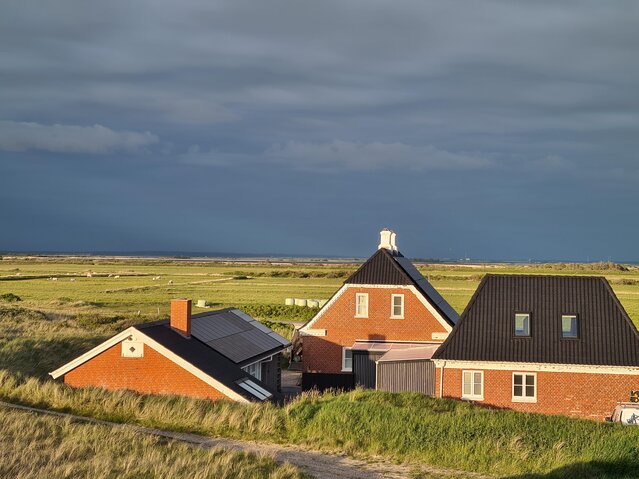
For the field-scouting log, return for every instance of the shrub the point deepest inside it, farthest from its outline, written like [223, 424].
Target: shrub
[93, 320]
[278, 311]
[10, 298]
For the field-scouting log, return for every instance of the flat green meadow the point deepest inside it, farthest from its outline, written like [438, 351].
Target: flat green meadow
[146, 286]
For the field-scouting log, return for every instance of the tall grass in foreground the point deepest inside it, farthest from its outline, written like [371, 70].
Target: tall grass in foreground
[33, 446]
[396, 426]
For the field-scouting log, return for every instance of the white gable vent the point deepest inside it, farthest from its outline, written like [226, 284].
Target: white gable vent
[132, 349]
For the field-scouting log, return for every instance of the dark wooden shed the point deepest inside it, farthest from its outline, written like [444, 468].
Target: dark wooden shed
[406, 370]
[364, 367]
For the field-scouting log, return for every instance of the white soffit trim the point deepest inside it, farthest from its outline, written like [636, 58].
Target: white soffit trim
[62, 370]
[431, 308]
[537, 367]
[305, 329]
[314, 332]
[167, 353]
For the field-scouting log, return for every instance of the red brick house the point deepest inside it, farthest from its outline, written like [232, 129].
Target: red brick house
[547, 344]
[222, 354]
[385, 305]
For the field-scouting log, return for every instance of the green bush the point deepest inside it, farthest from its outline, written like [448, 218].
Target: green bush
[10, 298]
[278, 311]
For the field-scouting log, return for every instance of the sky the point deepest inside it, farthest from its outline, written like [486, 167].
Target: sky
[497, 129]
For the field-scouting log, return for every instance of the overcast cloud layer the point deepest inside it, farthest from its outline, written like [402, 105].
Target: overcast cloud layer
[500, 129]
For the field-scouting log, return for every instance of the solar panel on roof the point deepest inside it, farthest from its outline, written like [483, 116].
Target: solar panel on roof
[235, 335]
[428, 288]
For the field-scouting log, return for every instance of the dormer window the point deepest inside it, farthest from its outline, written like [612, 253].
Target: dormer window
[522, 325]
[569, 325]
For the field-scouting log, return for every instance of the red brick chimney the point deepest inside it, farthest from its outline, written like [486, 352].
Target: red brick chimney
[181, 316]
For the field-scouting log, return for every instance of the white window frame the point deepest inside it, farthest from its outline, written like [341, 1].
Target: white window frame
[393, 315]
[344, 368]
[576, 336]
[528, 315]
[364, 296]
[524, 398]
[254, 370]
[472, 396]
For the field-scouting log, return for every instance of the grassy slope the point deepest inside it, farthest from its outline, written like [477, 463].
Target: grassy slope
[33, 446]
[397, 426]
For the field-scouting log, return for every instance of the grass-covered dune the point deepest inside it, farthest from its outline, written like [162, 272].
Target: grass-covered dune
[403, 427]
[34, 446]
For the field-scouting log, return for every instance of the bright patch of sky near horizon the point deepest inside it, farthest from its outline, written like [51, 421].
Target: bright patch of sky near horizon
[504, 130]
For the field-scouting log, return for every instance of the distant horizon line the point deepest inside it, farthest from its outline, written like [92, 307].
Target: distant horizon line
[281, 256]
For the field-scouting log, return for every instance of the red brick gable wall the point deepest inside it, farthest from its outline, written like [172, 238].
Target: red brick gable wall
[153, 373]
[324, 353]
[585, 395]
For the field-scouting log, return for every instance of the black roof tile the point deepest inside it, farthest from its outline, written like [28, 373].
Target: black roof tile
[201, 356]
[485, 331]
[389, 268]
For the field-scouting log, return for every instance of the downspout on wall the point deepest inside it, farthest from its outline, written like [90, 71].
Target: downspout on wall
[441, 380]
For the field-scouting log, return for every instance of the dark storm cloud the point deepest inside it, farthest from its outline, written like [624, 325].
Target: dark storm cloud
[422, 111]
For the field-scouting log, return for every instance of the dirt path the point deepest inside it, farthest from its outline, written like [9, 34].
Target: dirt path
[316, 464]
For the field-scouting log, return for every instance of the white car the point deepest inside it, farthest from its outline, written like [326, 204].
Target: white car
[626, 413]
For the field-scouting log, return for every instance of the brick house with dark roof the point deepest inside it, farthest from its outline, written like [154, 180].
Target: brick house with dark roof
[222, 354]
[548, 344]
[385, 305]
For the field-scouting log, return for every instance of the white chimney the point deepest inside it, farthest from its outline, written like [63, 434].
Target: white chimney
[387, 240]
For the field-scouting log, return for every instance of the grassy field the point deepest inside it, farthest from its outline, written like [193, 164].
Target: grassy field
[33, 446]
[401, 427]
[44, 323]
[251, 286]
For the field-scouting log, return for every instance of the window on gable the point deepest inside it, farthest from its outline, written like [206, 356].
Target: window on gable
[397, 306]
[524, 387]
[569, 325]
[361, 305]
[473, 385]
[347, 359]
[522, 324]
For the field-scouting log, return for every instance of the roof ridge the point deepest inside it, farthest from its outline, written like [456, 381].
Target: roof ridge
[545, 275]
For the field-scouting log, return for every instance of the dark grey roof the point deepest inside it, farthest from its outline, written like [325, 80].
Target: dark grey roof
[236, 335]
[205, 359]
[485, 332]
[389, 268]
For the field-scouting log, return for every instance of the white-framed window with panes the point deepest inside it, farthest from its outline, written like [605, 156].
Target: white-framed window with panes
[524, 387]
[254, 370]
[522, 325]
[397, 306]
[473, 385]
[569, 326]
[361, 305]
[347, 359]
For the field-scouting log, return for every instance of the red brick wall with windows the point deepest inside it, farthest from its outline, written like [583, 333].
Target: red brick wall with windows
[324, 353]
[153, 373]
[585, 395]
